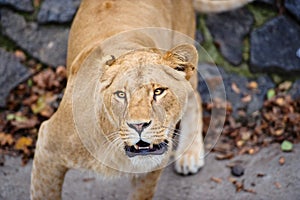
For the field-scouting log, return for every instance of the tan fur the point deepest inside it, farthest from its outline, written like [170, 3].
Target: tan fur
[90, 129]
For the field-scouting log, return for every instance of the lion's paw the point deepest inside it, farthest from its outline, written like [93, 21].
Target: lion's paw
[189, 163]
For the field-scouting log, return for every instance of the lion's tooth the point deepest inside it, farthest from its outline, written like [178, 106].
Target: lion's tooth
[136, 147]
[151, 146]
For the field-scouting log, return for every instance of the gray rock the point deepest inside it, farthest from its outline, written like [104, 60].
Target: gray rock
[295, 90]
[274, 47]
[210, 83]
[21, 5]
[298, 53]
[212, 86]
[294, 7]
[12, 73]
[57, 11]
[47, 44]
[258, 96]
[199, 36]
[272, 2]
[228, 30]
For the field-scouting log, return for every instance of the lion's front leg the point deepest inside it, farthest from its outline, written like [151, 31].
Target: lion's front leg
[190, 150]
[47, 173]
[144, 186]
[46, 178]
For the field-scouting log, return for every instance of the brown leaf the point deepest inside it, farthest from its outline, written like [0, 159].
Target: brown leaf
[247, 98]
[30, 100]
[278, 132]
[250, 190]
[46, 79]
[224, 156]
[24, 124]
[240, 143]
[281, 160]
[20, 55]
[22, 143]
[88, 179]
[260, 175]
[239, 186]
[216, 180]
[280, 101]
[61, 71]
[252, 85]
[251, 151]
[47, 111]
[286, 85]
[42, 105]
[277, 185]
[246, 134]
[6, 139]
[235, 88]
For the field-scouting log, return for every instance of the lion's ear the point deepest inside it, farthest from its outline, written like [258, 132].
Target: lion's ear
[183, 58]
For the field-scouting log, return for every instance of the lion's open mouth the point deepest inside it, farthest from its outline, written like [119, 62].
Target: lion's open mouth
[144, 148]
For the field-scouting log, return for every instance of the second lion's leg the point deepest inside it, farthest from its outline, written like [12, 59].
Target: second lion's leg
[190, 150]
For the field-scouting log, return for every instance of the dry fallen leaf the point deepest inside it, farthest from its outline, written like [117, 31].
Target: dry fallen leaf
[252, 85]
[22, 143]
[247, 98]
[226, 156]
[280, 101]
[260, 175]
[277, 185]
[23, 124]
[281, 160]
[286, 85]
[6, 139]
[216, 180]
[235, 88]
[20, 55]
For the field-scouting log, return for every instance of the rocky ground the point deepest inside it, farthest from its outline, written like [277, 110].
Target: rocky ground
[271, 174]
[257, 51]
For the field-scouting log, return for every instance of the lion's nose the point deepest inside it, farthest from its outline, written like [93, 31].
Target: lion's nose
[139, 127]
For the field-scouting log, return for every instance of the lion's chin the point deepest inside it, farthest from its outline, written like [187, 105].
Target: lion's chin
[142, 148]
[143, 164]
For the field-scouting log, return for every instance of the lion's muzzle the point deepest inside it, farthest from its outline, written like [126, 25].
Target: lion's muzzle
[144, 148]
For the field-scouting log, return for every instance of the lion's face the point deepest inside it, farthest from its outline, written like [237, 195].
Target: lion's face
[144, 94]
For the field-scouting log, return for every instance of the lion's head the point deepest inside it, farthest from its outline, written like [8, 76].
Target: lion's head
[141, 96]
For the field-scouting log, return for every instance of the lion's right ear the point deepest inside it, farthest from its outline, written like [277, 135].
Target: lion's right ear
[183, 58]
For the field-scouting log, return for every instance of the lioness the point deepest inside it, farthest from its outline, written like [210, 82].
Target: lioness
[125, 94]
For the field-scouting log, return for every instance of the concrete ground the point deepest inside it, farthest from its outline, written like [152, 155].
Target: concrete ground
[264, 176]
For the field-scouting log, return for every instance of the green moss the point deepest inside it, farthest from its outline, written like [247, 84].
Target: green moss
[33, 15]
[261, 14]
[6, 43]
[29, 17]
[246, 49]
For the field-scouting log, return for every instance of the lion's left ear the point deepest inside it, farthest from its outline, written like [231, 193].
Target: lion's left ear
[183, 58]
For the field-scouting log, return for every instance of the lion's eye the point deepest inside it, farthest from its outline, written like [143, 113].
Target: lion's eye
[120, 94]
[158, 91]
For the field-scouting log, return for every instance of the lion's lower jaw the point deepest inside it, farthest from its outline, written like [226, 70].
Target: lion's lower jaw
[143, 164]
